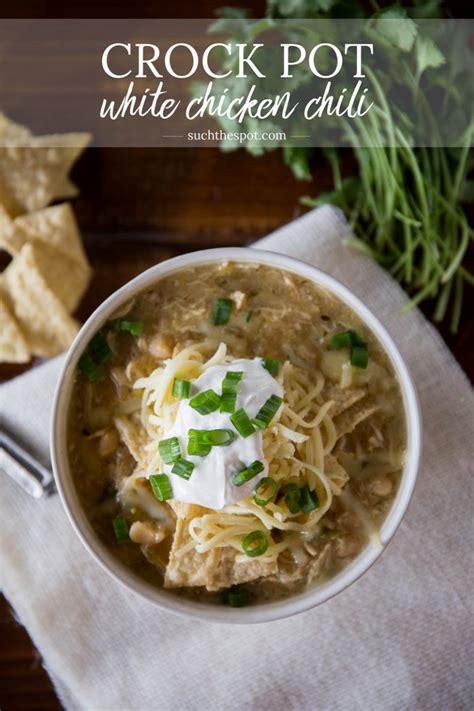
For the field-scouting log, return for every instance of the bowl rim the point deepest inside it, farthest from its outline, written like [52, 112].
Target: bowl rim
[169, 600]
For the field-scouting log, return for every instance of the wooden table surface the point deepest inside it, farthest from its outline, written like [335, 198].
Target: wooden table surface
[138, 207]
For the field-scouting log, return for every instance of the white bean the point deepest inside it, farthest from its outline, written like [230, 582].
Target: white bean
[146, 533]
[381, 487]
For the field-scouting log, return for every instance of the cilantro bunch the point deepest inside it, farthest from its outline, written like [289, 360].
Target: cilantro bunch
[405, 204]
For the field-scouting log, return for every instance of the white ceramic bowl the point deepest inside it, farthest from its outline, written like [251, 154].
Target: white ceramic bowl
[167, 599]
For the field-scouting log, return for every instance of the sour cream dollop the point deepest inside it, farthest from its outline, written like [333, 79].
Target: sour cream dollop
[211, 482]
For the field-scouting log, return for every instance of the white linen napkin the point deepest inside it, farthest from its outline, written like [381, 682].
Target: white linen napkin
[397, 639]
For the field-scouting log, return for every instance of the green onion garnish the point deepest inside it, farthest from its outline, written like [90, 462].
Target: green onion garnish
[351, 339]
[255, 544]
[98, 352]
[309, 499]
[235, 598]
[346, 339]
[161, 486]
[293, 498]
[248, 316]
[133, 327]
[121, 529]
[272, 365]
[267, 412]
[183, 468]
[169, 449]
[99, 348]
[90, 368]
[201, 441]
[197, 445]
[242, 423]
[219, 438]
[230, 386]
[266, 491]
[221, 311]
[244, 475]
[359, 356]
[205, 402]
[181, 388]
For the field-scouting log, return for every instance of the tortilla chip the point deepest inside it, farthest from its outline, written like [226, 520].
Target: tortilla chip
[342, 398]
[347, 421]
[216, 569]
[68, 189]
[318, 565]
[44, 321]
[291, 574]
[187, 511]
[65, 278]
[54, 234]
[134, 438]
[12, 132]
[55, 227]
[34, 169]
[10, 239]
[13, 347]
[336, 474]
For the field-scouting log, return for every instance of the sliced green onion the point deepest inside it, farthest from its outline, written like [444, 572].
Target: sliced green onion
[205, 402]
[201, 441]
[272, 365]
[183, 468]
[248, 316]
[90, 368]
[359, 356]
[351, 339]
[255, 544]
[266, 491]
[169, 449]
[181, 388]
[346, 339]
[233, 376]
[267, 412]
[133, 327]
[309, 499]
[161, 486]
[236, 598]
[293, 498]
[121, 529]
[99, 348]
[221, 311]
[242, 423]
[230, 386]
[244, 475]
[342, 340]
[197, 445]
[219, 438]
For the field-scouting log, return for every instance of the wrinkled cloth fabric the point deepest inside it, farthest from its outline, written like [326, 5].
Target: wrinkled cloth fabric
[397, 639]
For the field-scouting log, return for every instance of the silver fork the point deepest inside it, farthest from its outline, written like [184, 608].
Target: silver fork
[19, 464]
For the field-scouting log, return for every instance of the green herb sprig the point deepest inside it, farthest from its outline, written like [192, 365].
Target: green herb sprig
[406, 204]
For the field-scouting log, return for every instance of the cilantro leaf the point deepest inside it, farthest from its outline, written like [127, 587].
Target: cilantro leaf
[299, 9]
[427, 55]
[398, 29]
[297, 158]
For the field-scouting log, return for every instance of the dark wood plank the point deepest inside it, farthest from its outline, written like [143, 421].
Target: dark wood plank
[24, 684]
[200, 196]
